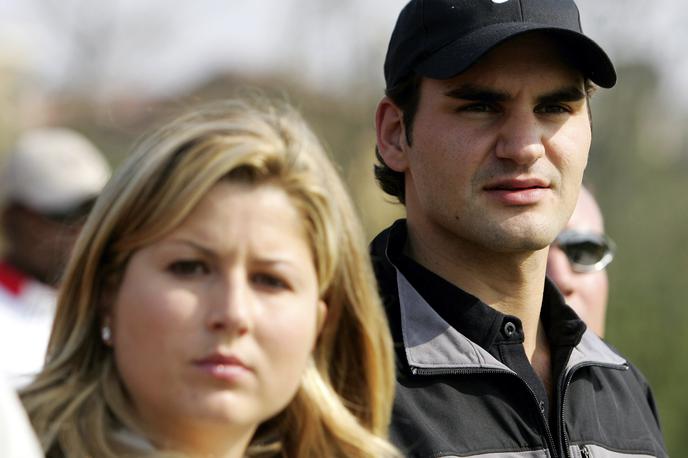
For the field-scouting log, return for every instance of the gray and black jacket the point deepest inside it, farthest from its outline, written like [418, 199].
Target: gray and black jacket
[465, 388]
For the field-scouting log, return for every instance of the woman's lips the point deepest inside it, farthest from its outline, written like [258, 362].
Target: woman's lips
[227, 368]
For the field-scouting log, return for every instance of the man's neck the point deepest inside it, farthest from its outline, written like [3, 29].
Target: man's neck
[511, 283]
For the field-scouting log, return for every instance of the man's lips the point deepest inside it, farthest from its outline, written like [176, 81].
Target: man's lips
[518, 191]
[517, 184]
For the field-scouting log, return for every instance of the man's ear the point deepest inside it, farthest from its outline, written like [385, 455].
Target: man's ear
[391, 135]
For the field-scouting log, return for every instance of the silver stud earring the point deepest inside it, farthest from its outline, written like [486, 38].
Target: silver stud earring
[106, 334]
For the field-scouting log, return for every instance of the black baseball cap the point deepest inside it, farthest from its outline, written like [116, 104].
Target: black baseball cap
[441, 38]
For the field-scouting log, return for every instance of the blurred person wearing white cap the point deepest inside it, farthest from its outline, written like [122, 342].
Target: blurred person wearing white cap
[50, 180]
[578, 259]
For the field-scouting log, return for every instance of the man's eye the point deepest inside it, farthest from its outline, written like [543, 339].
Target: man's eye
[553, 109]
[478, 108]
[269, 281]
[188, 268]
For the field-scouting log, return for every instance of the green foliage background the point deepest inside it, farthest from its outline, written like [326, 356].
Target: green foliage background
[639, 171]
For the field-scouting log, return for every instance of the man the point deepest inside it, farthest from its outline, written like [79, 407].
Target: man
[577, 260]
[51, 178]
[484, 136]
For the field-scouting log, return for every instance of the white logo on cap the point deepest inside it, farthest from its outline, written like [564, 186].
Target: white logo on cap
[499, 1]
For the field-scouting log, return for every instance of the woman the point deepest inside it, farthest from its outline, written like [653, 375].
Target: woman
[219, 302]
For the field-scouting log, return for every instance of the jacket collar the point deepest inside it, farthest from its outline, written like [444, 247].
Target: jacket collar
[431, 343]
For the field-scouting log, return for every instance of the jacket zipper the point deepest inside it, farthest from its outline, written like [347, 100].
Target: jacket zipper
[548, 434]
[567, 381]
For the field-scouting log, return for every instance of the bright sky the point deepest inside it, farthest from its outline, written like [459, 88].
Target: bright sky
[326, 43]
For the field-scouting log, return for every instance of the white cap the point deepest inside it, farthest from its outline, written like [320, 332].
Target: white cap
[53, 170]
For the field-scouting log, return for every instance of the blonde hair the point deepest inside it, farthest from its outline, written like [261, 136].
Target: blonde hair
[343, 405]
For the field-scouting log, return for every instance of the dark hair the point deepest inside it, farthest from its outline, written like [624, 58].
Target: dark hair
[405, 96]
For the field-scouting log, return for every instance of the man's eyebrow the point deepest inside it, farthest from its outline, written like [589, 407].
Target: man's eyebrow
[566, 94]
[483, 94]
[477, 93]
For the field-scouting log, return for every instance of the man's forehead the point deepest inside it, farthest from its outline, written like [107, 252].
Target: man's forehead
[518, 64]
[530, 48]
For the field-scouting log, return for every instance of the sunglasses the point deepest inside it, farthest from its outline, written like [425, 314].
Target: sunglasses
[586, 251]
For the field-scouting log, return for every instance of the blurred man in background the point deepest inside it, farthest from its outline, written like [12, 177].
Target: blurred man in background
[51, 178]
[577, 261]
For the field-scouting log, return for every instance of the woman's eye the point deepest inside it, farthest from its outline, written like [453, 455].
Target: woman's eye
[188, 268]
[269, 281]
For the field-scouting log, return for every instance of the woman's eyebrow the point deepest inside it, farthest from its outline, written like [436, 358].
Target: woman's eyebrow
[189, 243]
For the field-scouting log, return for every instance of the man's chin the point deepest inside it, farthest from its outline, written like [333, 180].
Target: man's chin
[529, 236]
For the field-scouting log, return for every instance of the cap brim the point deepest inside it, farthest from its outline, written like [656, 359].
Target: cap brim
[459, 55]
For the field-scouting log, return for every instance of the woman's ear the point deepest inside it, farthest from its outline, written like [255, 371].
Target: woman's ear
[391, 135]
[107, 309]
[106, 331]
[321, 316]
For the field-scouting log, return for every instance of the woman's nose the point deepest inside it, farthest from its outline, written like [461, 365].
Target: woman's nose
[230, 306]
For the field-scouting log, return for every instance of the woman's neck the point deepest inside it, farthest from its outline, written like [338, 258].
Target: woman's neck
[218, 441]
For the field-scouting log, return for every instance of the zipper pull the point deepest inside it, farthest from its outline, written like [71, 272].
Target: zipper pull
[585, 453]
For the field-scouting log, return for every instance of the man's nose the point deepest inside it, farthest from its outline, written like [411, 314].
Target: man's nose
[521, 138]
